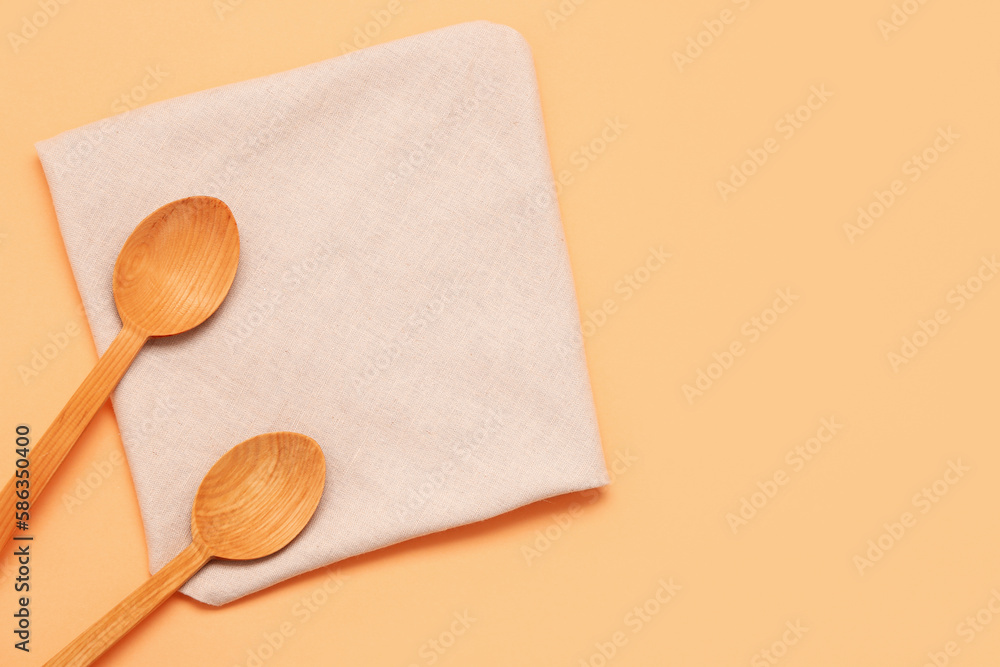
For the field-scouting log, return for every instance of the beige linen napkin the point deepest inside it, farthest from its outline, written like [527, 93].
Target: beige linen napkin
[403, 296]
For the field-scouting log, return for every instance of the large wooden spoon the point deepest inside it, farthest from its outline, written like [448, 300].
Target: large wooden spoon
[253, 502]
[173, 272]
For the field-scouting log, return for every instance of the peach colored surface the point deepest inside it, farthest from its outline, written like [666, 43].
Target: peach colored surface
[799, 405]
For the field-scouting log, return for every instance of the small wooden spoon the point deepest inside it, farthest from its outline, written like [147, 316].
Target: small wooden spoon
[252, 503]
[172, 273]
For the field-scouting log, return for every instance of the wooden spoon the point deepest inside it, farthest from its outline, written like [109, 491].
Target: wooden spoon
[253, 502]
[172, 273]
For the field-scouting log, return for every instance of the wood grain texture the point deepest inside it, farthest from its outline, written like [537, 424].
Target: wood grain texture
[177, 266]
[128, 613]
[259, 496]
[172, 273]
[252, 503]
[50, 450]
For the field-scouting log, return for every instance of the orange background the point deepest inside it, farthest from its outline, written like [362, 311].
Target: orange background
[682, 465]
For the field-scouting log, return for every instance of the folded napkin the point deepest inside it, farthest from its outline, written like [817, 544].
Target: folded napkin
[403, 296]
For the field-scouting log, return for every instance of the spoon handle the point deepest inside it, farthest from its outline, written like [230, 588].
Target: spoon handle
[63, 433]
[103, 634]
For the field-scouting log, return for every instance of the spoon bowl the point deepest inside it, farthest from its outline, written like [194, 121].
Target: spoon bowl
[177, 266]
[252, 502]
[171, 275]
[258, 496]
